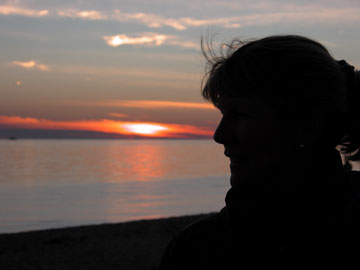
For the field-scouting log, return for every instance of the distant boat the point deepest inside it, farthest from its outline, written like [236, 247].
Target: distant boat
[12, 138]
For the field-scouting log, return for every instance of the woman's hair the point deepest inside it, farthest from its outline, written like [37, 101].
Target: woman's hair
[292, 70]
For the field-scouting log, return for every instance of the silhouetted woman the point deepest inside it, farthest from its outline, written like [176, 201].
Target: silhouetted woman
[287, 106]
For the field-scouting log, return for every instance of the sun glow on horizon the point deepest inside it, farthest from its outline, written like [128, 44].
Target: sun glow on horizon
[145, 129]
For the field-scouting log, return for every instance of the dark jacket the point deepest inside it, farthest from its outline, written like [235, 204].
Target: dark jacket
[270, 225]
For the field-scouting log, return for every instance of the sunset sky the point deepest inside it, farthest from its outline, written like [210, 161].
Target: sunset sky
[88, 68]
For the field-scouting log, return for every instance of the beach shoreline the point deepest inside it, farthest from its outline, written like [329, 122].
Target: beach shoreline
[128, 245]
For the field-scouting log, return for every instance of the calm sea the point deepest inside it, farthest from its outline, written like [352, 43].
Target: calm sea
[60, 183]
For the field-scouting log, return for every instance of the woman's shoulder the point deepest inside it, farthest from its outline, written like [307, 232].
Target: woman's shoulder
[353, 189]
[197, 244]
[203, 230]
[354, 196]
[207, 225]
[354, 177]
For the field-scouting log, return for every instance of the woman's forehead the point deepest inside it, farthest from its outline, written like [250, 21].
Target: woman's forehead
[259, 105]
[247, 104]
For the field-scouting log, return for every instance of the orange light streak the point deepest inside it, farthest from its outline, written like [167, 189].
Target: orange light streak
[163, 104]
[152, 104]
[147, 129]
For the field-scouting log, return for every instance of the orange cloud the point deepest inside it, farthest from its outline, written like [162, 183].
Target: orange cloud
[147, 129]
[151, 20]
[17, 10]
[145, 39]
[150, 39]
[84, 14]
[261, 14]
[145, 104]
[267, 15]
[31, 64]
[156, 21]
[156, 104]
[120, 115]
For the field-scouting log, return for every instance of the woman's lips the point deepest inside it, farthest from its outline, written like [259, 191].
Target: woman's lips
[234, 157]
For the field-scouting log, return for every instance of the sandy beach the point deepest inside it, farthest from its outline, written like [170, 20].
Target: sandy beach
[130, 245]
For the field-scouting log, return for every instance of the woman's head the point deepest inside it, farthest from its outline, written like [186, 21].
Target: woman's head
[297, 76]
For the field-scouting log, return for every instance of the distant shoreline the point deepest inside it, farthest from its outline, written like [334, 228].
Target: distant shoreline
[105, 138]
[128, 245]
[81, 134]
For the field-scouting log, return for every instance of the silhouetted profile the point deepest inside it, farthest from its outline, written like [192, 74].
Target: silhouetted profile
[288, 109]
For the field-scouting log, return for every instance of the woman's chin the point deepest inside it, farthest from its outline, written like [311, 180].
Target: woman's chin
[243, 177]
[248, 175]
[240, 173]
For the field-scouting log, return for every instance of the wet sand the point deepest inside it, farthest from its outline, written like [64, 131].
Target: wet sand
[129, 245]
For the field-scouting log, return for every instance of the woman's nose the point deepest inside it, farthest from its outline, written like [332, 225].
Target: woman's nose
[224, 133]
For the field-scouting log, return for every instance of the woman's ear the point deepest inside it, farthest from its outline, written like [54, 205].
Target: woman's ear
[310, 127]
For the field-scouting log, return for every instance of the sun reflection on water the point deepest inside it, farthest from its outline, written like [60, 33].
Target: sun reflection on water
[145, 162]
